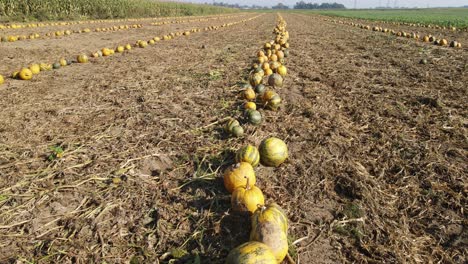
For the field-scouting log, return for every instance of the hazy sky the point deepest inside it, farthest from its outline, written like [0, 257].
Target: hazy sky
[348, 3]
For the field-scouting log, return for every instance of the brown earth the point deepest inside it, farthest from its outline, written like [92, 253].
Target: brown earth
[378, 147]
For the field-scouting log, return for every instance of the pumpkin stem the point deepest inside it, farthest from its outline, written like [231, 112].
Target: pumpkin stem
[247, 185]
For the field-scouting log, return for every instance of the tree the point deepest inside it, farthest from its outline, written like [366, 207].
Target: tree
[280, 6]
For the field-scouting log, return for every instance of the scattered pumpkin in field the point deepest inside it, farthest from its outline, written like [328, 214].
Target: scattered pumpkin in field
[142, 44]
[255, 79]
[260, 89]
[443, 42]
[120, 49]
[268, 227]
[268, 72]
[237, 131]
[25, 74]
[56, 65]
[248, 154]
[128, 47]
[247, 198]
[63, 62]
[273, 152]
[454, 44]
[45, 66]
[106, 52]
[151, 42]
[251, 253]
[275, 80]
[249, 94]
[236, 176]
[2, 80]
[82, 58]
[230, 124]
[35, 68]
[253, 116]
[250, 105]
[282, 70]
[425, 39]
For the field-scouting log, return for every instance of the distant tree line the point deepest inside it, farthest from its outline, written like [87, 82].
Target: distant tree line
[304, 5]
[239, 6]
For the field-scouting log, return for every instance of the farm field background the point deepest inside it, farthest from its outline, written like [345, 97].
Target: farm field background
[377, 142]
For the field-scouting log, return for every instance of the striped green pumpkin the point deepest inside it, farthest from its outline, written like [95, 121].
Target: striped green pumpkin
[248, 154]
[273, 152]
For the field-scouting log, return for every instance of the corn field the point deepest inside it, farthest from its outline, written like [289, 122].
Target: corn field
[98, 9]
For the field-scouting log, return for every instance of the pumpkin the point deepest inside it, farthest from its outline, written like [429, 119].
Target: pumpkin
[237, 131]
[282, 70]
[253, 116]
[250, 105]
[251, 253]
[274, 102]
[128, 47]
[280, 54]
[273, 152]
[255, 79]
[271, 235]
[120, 49]
[56, 65]
[25, 74]
[248, 154]
[271, 213]
[35, 68]
[247, 198]
[2, 80]
[273, 57]
[45, 66]
[142, 44]
[82, 58]
[230, 124]
[268, 72]
[63, 62]
[453, 43]
[151, 42]
[249, 94]
[274, 65]
[260, 89]
[265, 66]
[443, 42]
[260, 71]
[236, 176]
[275, 80]
[260, 53]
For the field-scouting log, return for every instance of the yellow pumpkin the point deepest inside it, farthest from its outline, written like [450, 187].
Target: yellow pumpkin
[142, 44]
[128, 47]
[268, 72]
[35, 68]
[250, 105]
[249, 94]
[63, 62]
[247, 198]
[251, 253]
[237, 175]
[2, 80]
[273, 152]
[25, 74]
[273, 236]
[106, 52]
[282, 70]
[120, 49]
[82, 58]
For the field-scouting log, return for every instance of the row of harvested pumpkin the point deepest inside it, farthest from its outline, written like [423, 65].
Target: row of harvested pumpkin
[68, 32]
[81, 22]
[412, 35]
[451, 28]
[60, 33]
[27, 73]
[269, 223]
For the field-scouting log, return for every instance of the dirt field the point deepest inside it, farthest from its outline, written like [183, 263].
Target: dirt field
[378, 147]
